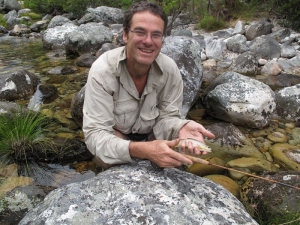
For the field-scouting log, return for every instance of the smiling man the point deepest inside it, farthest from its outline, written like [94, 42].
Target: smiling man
[133, 99]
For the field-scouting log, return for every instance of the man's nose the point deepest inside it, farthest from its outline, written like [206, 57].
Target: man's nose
[148, 38]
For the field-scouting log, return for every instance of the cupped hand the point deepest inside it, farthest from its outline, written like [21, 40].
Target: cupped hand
[195, 131]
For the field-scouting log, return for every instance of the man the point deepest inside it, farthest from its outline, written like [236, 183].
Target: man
[134, 94]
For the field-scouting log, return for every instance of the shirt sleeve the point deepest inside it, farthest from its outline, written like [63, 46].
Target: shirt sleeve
[169, 121]
[98, 121]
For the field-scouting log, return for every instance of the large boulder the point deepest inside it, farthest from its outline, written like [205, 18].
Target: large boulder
[185, 52]
[107, 15]
[215, 48]
[240, 100]
[288, 103]
[230, 142]
[139, 194]
[58, 21]
[246, 64]
[265, 47]
[262, 27]
[9, 5]
[18, 85]
[88, 38]
[237, 43]
[55, 37]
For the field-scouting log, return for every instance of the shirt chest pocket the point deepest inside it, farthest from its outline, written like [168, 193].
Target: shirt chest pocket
[125, 113]
[149, 113]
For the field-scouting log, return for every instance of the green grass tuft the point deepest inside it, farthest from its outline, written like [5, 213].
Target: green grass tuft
[20, 131]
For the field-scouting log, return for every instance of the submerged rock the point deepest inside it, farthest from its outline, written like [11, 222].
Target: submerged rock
[138, 194]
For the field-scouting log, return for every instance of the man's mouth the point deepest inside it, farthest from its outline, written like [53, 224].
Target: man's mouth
[146, 50]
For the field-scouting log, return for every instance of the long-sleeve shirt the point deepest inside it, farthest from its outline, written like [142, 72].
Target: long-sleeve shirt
[112, 102]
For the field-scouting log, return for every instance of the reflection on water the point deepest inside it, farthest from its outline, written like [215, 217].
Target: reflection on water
[54, 174]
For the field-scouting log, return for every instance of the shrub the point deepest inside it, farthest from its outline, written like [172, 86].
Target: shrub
[210, 23]
[3, 21]
[290, 11]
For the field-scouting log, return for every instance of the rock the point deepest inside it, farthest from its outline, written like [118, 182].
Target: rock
[77, 106]
[259, 28]
[185, 52]
[89, 17]
[11, 18]
[288, 51]
[215, 49]
[239, 28]
[10, 5]
[246, 64]
[288, 103]
[18, 85]
[58, 21]
[223, 33]
[227, 183]
[265, 47]
[19, 201]
[19, 30]
[186, 33]
[204, 170]
[12, 182]
[282, 80]
[272, 201]
[105, 47]
[48, 93]
[39, 25]
[277, 137]
[271, 68]
[140, 195]
[6, 107]
[240, 100]
[237, 44]
[55, 38]
[280, 34]
[257, 165]
[230, 142]
[108, 15]
[9, 170]
[85, 60]
[87, 38]
[287, 156]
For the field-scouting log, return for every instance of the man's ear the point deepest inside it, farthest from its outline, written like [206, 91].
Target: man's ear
[125, 36]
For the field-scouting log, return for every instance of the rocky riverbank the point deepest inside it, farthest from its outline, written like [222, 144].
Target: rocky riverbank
[249, 96]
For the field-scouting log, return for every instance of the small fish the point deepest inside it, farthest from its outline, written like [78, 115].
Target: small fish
[202, 147]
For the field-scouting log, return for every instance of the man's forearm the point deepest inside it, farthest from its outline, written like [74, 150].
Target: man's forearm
[138, 150]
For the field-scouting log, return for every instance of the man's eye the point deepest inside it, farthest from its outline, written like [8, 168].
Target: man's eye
[140, 33]
[156, 35]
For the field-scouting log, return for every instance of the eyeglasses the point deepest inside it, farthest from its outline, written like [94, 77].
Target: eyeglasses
[156, 36]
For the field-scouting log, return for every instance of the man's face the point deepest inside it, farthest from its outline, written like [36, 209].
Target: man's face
[143, 49]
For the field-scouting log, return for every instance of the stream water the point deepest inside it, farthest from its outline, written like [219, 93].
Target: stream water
[18, 54]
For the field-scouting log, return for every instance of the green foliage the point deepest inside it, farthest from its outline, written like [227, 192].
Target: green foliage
[77, 7]
[210, 23]
[290, 11]
[3, 21]
[19, 131]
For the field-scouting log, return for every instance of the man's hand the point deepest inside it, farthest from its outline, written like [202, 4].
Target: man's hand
[160, 152]
[195, 131]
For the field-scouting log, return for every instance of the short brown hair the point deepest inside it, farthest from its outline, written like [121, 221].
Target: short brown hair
[144, 6]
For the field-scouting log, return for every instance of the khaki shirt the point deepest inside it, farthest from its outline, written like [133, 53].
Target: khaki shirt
[112, 102]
